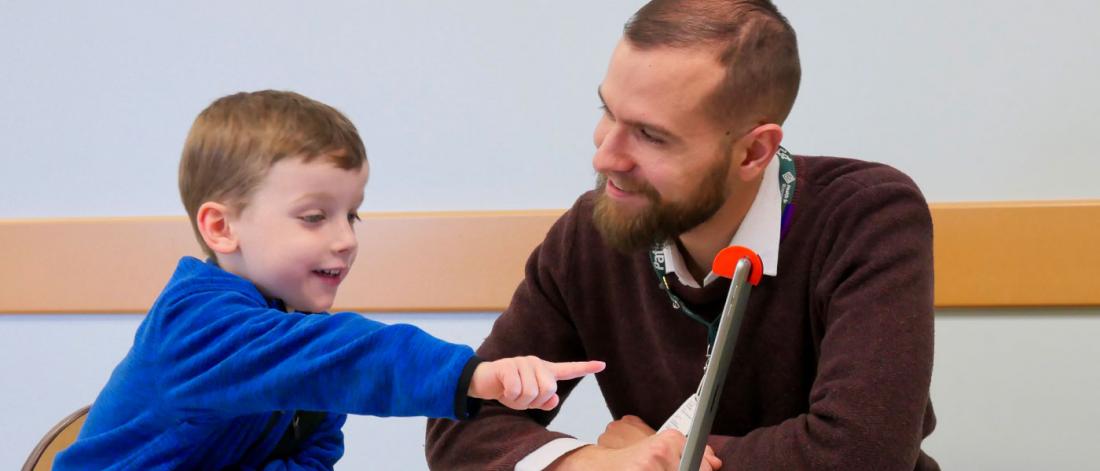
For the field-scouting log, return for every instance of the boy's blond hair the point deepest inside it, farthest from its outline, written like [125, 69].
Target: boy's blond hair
[238, 138]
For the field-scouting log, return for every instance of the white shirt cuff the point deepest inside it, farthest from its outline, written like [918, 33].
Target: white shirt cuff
[548, 453]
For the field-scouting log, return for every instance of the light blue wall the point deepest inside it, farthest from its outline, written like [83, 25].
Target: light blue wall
[490, 105]
[1016, 390]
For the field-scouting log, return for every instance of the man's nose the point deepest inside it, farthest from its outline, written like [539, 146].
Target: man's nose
[611, 150]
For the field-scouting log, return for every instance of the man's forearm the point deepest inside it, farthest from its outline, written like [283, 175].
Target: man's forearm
[497, 439]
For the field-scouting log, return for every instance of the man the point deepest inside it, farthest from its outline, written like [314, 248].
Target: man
[834, 358]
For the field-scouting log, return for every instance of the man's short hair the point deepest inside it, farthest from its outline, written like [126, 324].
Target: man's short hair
[236, 140]
[752, 40]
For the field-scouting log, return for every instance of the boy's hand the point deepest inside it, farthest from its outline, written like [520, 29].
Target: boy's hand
[526, 382]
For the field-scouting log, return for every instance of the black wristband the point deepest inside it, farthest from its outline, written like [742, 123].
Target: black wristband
[467, 407]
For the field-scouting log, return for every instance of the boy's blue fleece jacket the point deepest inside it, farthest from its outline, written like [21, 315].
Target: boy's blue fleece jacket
[214, 360]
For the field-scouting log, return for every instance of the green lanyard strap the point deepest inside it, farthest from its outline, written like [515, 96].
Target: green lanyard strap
[657, 259]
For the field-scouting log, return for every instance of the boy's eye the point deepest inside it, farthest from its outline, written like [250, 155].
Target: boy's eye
[312, 218]
[353, 218]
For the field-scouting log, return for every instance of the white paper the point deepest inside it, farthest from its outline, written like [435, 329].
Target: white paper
[681, 419]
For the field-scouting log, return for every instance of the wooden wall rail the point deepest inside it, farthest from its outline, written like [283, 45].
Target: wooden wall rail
[987, 255]
[1025, 254]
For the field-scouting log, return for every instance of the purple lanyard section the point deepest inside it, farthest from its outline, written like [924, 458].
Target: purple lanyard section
[785, 223]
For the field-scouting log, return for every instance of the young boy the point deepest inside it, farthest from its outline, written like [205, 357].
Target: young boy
[229, 370]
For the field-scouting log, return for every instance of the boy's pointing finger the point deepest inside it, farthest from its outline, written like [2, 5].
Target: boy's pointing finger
[575, 369]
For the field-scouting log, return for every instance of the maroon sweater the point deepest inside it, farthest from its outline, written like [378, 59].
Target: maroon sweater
[834, 359]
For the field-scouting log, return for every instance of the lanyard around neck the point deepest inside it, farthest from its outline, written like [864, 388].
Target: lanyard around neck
[659, 263]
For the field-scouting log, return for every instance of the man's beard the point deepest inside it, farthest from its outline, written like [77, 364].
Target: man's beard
[660, 221]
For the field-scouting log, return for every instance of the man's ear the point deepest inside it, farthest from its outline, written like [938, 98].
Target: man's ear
[213, 222]
[760, 145]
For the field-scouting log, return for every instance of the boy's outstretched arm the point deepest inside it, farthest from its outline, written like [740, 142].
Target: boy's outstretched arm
[230, 356]
[526, 382]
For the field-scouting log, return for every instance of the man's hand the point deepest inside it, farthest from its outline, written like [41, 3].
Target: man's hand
[624, 432]
[657, 452]
[526, 382]
[631, 430]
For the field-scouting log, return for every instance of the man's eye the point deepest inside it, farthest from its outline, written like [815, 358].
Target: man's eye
[313, 218]
[353, 218]
[650, 137]
[606, 113]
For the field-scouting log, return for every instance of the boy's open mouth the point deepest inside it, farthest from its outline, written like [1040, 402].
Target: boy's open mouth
[331, 273]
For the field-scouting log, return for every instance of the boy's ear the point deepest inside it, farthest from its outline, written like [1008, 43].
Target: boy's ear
[213, 222]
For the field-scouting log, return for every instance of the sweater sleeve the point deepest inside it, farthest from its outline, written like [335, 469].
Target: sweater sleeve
[231, 356]
[535, 323]
[873, 300]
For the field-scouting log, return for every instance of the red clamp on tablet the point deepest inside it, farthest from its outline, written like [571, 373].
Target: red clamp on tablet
[727, 259]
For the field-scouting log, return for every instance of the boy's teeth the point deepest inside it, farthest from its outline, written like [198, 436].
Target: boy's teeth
[328, 272]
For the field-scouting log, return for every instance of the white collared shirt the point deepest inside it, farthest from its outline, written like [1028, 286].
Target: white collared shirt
[759, 231]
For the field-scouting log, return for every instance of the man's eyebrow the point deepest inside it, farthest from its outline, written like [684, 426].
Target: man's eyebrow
[669, 135]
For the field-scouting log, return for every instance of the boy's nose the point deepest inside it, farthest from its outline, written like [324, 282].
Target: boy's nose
[345, 240]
